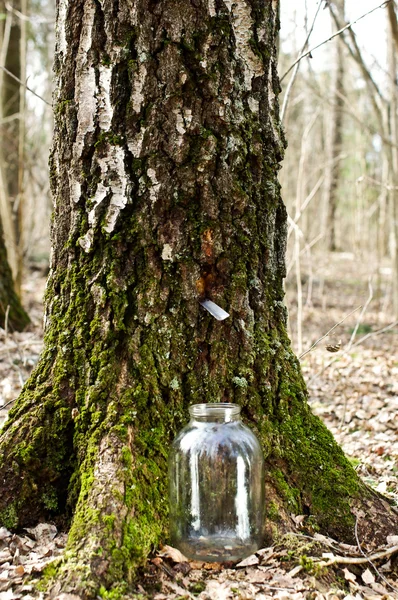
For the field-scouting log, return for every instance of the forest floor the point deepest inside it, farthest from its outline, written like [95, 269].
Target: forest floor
[354, 390]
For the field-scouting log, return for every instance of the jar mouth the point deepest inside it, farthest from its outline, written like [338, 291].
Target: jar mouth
[214, 409]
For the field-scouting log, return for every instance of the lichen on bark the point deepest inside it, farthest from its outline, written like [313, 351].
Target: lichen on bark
[164, 171]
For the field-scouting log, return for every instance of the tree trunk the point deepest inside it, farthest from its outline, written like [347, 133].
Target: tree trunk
[164, 175]
[11, 311]
[392, 152]
[334, 142]
[11, 129]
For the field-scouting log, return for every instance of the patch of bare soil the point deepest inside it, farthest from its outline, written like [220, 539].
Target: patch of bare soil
[353, 385]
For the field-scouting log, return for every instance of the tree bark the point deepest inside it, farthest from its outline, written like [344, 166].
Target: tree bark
[12, 315]
[164, 176]
[334, 142]
[11, 112]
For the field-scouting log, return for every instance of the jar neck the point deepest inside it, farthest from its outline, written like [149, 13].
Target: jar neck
[217, 412]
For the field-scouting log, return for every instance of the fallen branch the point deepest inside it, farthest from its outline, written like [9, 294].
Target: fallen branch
[350, 560]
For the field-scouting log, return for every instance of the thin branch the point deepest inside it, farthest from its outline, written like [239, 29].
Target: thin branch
[357, 56]
[23, 17]
[24, 85]
[293, 77]
[300, 58]
[344, 353]
[330, 330]
[349, 560]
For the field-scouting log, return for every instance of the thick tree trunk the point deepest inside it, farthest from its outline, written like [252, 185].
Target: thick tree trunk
[164, 172]
[12, 314]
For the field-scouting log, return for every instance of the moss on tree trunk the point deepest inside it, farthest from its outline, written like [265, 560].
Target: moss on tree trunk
[10, 306]
[164, 176]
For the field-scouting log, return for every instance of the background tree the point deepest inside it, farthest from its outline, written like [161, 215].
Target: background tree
[12, 99]
[12, 314]
[164, 175]
[334, 139]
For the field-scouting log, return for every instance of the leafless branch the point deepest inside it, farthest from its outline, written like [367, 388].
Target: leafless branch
[24, 85]
[330, 331]
[300, 58]
[296, 66]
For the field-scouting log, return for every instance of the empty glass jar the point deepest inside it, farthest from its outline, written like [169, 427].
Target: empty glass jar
[216, 486]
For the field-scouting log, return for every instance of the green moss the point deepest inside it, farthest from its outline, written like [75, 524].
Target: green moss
[197, 587]
[117, 592]
[108, 137]
[9, 516]
[272, 511]
[62, 106]
[49, 499]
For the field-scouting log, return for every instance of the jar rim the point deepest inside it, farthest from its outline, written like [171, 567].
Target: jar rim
[214, 409]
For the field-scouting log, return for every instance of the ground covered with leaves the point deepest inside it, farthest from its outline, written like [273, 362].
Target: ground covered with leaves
[353, 385]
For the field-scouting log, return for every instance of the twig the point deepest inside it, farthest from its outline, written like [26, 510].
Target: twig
[349, 560]
[330, 330]
[365, 337]
[300, 58]
[24, 85]
[297, 64]
[23, 17]
[372, 557]
[6, 316]
[4, 406]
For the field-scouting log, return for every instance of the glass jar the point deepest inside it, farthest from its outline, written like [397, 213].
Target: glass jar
[216, 486]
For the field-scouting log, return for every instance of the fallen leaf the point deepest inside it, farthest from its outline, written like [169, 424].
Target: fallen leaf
[249, 561]
[196, 564]
[380, 589]
[392, 540]
[213, 566]
[19, 570]
[217, 591]
[173, 554]
[44, 533]
[368, 577]
[4, 533]
[349, 576]
[298, 519]
[265, 554]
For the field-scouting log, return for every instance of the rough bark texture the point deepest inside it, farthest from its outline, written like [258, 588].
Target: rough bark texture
[164, 172]
[10, 306]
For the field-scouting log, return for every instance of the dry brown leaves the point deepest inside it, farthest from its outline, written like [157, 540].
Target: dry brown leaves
[23, 558]
[356, 396]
